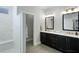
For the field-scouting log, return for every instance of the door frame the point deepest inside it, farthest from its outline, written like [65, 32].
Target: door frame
[23, 26]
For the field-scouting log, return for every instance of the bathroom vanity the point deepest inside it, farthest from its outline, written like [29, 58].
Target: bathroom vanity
[65, 43]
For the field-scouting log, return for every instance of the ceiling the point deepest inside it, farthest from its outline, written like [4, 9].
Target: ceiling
[47, 7]
[55, 7]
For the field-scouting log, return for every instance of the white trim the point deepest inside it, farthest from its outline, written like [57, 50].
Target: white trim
[33, 23]
[27, 12]
[21, 34]
[23, 37]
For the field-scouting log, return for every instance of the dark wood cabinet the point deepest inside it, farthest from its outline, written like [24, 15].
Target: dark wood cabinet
[51, 39]
[62, 43]
[78, 45]
[72, 44]
[43, 38]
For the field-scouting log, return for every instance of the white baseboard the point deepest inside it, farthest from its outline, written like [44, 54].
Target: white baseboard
[35, 44]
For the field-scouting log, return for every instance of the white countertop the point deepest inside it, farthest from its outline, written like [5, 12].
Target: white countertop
[64, 34]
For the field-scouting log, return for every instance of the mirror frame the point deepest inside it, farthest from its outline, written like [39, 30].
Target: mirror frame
[52, 25]
[69, 29]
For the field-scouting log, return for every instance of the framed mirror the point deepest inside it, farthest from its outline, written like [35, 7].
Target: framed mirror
[49, 23]
[71, 21]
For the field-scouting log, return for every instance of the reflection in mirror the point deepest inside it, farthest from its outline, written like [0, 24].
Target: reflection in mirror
[49, 23]
[70, 21]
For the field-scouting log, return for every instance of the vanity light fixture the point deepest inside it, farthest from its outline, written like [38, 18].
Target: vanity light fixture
[67, 9]
[76, 9]
[70, 10]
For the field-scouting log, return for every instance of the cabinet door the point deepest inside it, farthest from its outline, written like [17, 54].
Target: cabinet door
[77, 45]
[61, 43]
[51, 40]
[43, 37]
[72, 44]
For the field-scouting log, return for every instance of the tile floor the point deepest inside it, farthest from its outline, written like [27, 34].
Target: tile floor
[39, 49]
